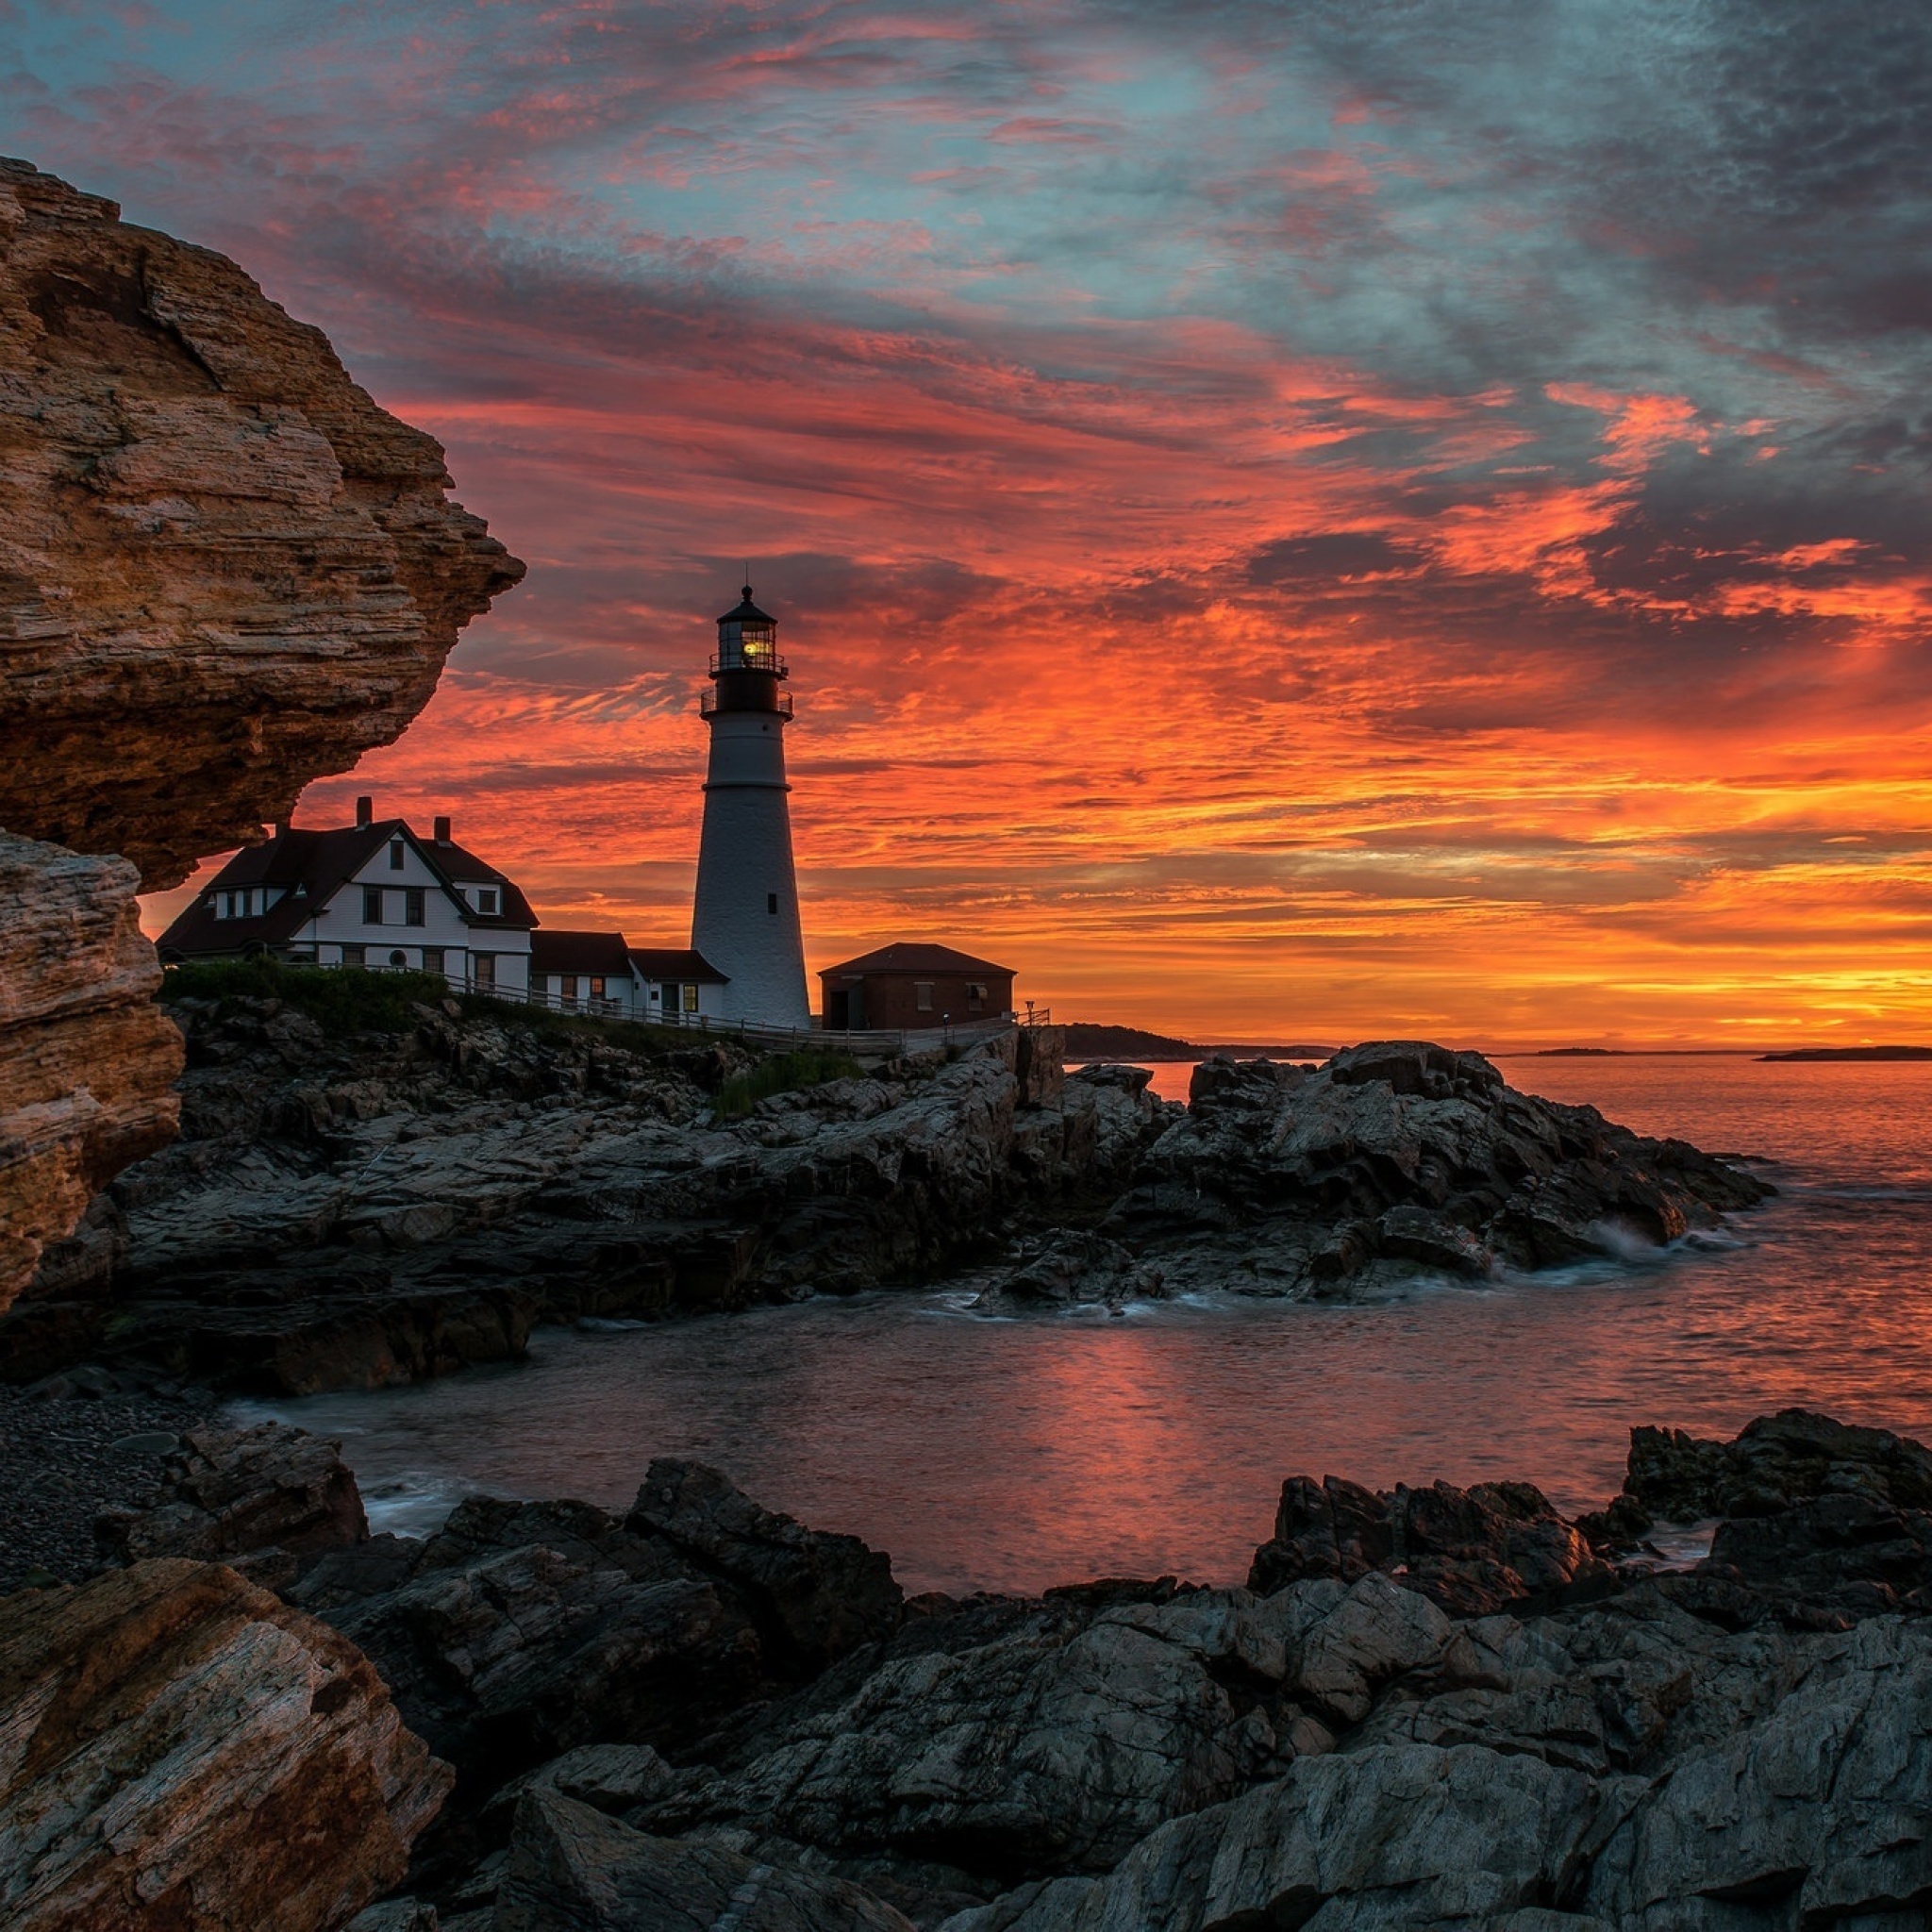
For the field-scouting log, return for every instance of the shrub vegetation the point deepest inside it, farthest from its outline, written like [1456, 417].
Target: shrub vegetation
[781, 1073]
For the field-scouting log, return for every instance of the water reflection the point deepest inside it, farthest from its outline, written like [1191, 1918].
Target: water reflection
[1017, 1454]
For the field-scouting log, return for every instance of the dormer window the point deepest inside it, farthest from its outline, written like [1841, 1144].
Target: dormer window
[486, 898]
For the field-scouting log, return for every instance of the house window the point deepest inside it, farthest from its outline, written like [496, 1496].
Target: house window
[413, 913]
[432, 959]
[486, 898]
[486, 970]
[596, 987]
[354, 955]
[398, 958]
[396, 855]
[567, 986]
[372, 905]
[771, 902]
[654, 995]
[922, 994]
[975, 995]
[691, 999]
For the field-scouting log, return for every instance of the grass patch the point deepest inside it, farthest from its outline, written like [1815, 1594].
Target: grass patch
[343, 1000]
[339, 1000]
[781, 1073]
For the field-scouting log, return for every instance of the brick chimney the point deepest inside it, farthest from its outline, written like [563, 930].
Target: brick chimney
[442, 831]
[365, 812]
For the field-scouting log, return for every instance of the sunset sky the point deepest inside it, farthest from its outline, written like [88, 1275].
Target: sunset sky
[1289, 521]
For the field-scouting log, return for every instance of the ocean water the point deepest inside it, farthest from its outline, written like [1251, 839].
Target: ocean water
[1015, 1453]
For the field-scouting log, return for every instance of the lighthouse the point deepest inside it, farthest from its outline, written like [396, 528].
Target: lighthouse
[745, 917]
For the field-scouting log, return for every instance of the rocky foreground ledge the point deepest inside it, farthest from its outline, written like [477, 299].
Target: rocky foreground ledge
[1430, 1707]
[351, 1207]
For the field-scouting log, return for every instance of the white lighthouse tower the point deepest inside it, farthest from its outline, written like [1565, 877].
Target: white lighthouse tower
[745, 917]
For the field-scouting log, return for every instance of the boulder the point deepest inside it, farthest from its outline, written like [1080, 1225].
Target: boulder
[524, 1631]
[270, 1501]
[1391, 1836]
[182, 1749]
[1773, 1463]
[1471, 1551]
[815, 1595]
[1396, 1157]
[573, 1869]
[1067, 1267]
[1020, 1739]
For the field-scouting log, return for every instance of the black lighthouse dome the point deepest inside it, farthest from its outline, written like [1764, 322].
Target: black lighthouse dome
[746, 669]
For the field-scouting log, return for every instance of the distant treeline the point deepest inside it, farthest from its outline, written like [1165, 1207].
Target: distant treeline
[1085, 1041]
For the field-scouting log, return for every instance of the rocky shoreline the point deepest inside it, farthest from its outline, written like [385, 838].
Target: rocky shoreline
[351, 1207]
[1429, 1707]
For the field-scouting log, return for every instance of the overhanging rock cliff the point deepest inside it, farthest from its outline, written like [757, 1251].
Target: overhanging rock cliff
[223, 572]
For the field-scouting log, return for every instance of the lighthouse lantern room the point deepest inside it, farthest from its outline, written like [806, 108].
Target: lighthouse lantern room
[745, 920]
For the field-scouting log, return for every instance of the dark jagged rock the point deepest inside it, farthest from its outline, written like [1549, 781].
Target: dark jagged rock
[1397, 1158]
[366, 1210]
[268, 1500]
[815, 1594]
[1069, 1268]
[1471, 1551]
[573, 1869]
[526, 1630]
[1773, 1463]
[707, 1693]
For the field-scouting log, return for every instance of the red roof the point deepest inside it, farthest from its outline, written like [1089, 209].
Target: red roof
[912, 956]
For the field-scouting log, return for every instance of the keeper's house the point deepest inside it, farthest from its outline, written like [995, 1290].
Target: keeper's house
[370, 894]
[912, 984]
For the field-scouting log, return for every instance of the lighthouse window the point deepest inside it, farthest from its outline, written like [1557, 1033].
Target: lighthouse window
[771, 902]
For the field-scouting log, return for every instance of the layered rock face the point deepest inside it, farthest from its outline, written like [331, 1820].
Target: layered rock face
[223, 572]
[702, 1712]
[182, 1749]
[86, 1061]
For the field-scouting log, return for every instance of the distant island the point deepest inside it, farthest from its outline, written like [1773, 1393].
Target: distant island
[1088, 1041]
[1578, 1053]
[1853, 1053]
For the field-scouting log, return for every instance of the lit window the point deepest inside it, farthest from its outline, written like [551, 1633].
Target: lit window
[396, 855]
[922, 994]
[691, 999]
[372, 905]
[596, 989]
[413, 912]
[567, 986]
